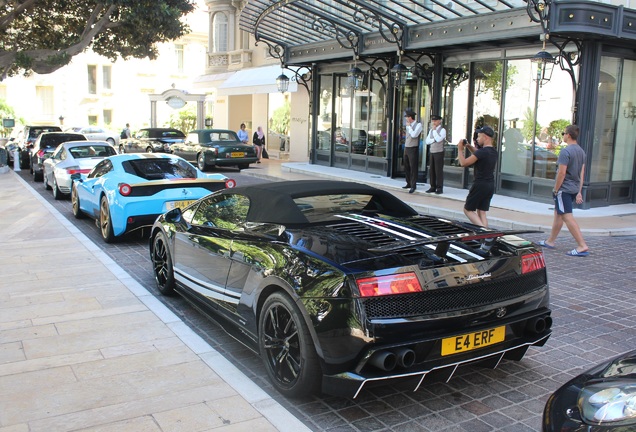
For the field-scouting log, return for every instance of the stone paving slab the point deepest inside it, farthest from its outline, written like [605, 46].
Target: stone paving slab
[84, 347]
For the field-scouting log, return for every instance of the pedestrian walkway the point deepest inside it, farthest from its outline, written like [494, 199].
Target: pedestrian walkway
[83, 346]
[505, 212]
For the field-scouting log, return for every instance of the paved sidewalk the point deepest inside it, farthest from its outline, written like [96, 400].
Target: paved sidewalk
[505, 212]
[85, 347]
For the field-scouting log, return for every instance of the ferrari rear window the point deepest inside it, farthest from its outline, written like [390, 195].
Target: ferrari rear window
[325, 207]
[159, 169]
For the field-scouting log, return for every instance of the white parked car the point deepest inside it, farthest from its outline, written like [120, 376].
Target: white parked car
[73, 157]
[97, 133]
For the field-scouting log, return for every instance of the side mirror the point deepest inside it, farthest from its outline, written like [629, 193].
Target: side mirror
[173, 216]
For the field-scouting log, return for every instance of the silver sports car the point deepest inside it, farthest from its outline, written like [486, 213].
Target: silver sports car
[73, 157]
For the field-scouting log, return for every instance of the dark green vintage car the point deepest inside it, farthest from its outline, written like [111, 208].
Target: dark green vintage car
[215, 147]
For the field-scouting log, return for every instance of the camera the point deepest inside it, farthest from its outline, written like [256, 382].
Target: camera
[465, 141]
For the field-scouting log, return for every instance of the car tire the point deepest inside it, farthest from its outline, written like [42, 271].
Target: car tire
[287, 349]
[110, 141]
[149, 149]
[105, 221]
[201, 162]
[57, 193]
[122, 149]
[37, 176]
[243, 166]
[46, 183]
[162, 265]
[75, 204]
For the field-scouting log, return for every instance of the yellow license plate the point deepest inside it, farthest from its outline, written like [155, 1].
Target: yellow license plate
[237, 154]
[180, 204]
[471, 341]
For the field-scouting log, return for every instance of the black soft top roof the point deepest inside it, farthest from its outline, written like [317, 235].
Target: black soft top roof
[274, 202]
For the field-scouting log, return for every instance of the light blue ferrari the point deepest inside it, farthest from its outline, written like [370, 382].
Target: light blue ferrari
[127, 192]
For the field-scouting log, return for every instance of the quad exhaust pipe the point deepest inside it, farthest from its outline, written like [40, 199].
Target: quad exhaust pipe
[539, 325]
[389, 360]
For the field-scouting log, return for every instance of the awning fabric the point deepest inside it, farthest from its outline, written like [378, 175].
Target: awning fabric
[255, 81]
[211, 80]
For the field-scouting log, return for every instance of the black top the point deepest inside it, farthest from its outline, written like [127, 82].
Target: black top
[485, 165]
[258, 141]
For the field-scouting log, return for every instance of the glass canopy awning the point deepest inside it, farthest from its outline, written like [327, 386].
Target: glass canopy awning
[287, 24]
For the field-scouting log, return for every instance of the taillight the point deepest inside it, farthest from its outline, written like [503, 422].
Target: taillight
[125, 189]
[532, 262]
[386, 285]
[230, 183]
[76, 170]
[40, 153]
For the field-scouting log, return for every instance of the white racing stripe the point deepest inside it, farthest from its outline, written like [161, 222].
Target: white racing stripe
[379, 224]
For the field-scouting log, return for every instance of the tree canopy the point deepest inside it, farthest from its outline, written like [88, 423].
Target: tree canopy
[43, 35]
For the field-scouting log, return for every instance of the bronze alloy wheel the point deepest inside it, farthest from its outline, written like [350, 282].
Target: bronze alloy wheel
[287, 349]
[75, 202]
[105, 223]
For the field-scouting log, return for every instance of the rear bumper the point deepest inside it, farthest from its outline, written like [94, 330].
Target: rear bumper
[427, 364]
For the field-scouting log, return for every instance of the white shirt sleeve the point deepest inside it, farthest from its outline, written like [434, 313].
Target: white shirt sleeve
[436, 135]
[414, 132]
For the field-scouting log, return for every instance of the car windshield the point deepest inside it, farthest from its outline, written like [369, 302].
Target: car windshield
[167, 134]
[35, 132]
[81, 152]
[326, 207]
[159, 169]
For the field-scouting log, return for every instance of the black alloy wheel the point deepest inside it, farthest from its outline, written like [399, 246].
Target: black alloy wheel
[75, 202]
[162, 265]
[105, 222]
[287, 349]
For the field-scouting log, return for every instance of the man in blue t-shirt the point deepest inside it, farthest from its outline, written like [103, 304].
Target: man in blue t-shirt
[567, 190]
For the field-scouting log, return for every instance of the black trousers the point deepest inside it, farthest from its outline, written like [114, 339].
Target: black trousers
[411, 160]
[436, 171]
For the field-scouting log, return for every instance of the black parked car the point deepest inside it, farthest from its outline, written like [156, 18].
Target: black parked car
[215, 147]
[27, 139]
[340, 285]
[602, 399]
[151, 140]
[45, 145]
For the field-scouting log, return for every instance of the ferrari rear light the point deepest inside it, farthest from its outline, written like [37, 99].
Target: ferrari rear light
[125, 189]
[532, 262]
[230, 183]
[40, 153]
[386, 285]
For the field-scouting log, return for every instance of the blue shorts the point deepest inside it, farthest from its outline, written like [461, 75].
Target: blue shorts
[563, 202]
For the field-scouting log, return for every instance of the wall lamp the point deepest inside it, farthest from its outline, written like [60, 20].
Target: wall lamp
[282, 82]
[61, 119]
[629, 111]
[356, 76]
[545, 64]
[208, 122]
[400, 73]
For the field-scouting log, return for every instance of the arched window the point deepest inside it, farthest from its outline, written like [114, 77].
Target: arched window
[220, 25]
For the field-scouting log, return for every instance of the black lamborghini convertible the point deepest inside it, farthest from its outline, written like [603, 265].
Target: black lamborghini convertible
[340, 285]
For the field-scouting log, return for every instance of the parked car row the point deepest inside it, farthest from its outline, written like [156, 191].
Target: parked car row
[205, 147]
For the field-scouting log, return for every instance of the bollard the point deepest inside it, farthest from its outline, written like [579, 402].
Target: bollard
[16, 161]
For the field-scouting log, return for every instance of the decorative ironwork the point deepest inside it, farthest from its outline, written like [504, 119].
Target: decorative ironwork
[454, 76]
